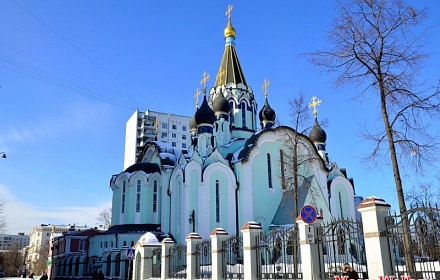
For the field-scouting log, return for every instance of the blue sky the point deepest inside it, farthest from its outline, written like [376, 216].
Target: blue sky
[73, 72]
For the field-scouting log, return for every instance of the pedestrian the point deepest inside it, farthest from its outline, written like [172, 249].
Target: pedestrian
[350, 272]
[44, 277]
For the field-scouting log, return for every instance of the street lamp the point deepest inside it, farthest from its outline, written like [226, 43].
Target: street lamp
[192, 220]
[3, 154]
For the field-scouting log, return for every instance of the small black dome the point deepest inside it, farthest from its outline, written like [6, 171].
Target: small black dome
[205, 114]
[147, 167]
[267, 113]
[317, 134]
[220, 104]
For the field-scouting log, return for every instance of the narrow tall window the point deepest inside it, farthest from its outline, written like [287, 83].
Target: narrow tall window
[123, 198]
[231, 112]
[217, 201]
[243, 114]
[269, 171]
[81, 245]
[138, 196]
[340, 203]
[283, 177]
[155, 196]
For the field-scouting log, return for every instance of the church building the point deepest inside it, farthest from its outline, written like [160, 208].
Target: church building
[238, 167]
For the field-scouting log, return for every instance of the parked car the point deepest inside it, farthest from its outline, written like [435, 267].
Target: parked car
[2, 274]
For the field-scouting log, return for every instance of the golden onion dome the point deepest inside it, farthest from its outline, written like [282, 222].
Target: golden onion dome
[229, 30]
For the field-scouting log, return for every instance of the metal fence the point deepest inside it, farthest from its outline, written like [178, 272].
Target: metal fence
[177, 262]
[204, 259]
[156, 264]
[278, 255]
[424, 250]
[232, 257]
[341, 242]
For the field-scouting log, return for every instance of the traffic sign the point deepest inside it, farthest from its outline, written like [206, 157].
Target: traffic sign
[130, 254]
[308, 214]
[310, 234]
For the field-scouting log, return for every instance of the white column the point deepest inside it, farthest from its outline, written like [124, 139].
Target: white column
[373, 211]
[167, 243]
[191, 256]
[309, 252]
[217, 236]
[250, 231]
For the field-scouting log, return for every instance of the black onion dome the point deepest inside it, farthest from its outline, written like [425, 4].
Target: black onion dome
[267, 113]
[220, 104]
[147, 167]
[192, 123]
[205, 114]
[317, 134]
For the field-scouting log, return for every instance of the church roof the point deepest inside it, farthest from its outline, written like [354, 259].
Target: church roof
[230, 69]
[137, 228]
[204, 115]
[147, 167]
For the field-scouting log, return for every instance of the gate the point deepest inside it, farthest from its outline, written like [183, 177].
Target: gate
[177, 262]
[422, 260]
[278, 255]
[204, 261]
[157, 260]
[341, 242]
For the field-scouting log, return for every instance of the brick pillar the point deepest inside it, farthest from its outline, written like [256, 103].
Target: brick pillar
[167, 243]
[309, 252]
[373, 211]
[250, 231]
[217, 236]
[191, 256]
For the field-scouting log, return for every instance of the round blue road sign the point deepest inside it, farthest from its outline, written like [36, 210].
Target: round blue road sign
[308, 214]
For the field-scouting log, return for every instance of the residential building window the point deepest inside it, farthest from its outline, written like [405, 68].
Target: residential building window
[217, 201]
[174, 126]
[123, 198]
[184, 145]
[138, 196]
[184, 137]
[173, 135]
[269, 171]
[183, 128]
[81, 245]
[164, 135]
[155, 196]
[283, 177]
[174, 144]
[165, 125]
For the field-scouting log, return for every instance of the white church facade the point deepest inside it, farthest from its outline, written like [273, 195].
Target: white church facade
[233, 172]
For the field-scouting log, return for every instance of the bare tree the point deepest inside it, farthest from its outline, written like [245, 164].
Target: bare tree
[105, 216]
[12, 260]
[3, 223]
[377, 45]
[424, 195]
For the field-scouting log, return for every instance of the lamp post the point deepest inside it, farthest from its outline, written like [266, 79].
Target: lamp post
[192, 220]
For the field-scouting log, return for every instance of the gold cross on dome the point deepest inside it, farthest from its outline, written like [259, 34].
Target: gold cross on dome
[220, 75]
[228, 11]
[204, 80]
[315, 102]
[265, 86]
[196, 97]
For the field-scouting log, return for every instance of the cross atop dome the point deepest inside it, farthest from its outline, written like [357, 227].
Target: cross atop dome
[205, 78]
[196, 97]
[315, 102]
[266, 84]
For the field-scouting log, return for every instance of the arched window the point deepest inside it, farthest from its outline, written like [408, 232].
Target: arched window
[231, 111]
[243, 114]
[138, 196]
[269, 172]
[123, 198]
[217, 201]
[155, 197]
[283, 177]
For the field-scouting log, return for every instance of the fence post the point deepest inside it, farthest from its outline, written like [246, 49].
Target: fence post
[217, 236]
[166, 243]
[373, 211]
[191, 256]
[309, 251]
[250, 231]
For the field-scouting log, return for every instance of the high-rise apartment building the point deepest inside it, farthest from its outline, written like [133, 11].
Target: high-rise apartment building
[13, 242]
[147, 126]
